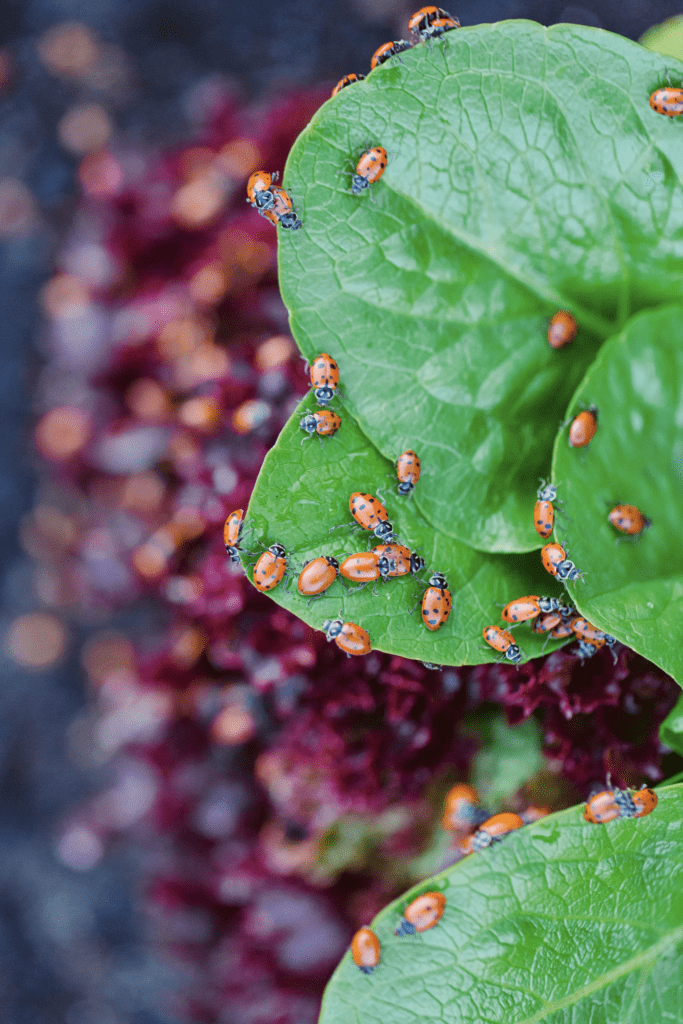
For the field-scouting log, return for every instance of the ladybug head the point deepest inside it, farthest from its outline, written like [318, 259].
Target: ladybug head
[332, 627]
[308, 423]
[417, 564]
[439, 580]
[384, 531]
[324, 394]
[277, 550]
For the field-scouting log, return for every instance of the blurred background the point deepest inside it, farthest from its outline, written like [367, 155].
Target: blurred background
[200, 802]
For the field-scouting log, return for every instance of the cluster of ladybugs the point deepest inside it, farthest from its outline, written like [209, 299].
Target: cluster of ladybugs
[273, 202]
[387, 560]
[463, 813]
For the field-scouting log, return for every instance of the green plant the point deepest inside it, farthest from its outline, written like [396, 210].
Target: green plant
[518, 183]
[562, 921]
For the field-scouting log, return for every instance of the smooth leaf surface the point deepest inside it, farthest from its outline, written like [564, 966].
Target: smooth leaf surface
[562, 923]
[302, 491]
[633, 589]
[517, 184]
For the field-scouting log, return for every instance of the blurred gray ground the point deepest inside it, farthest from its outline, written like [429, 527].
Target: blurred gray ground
[72, 948]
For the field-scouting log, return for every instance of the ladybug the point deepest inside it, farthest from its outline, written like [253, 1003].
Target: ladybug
[270, 568]
[590, 634]
[521, 609]
[562, 329]
[423, 18]
[404, 561]
[370, 514]
[259, 192]
[492, 831]
[369, 169]
[407, 471]
[342, 84]
[619, 803]
[532, 814]
[503, 642]
[544, 511]
[583, 428]
[232, 534]
[365, 950]
[555, 562]
[438, 27]
[544, 515]
[317, 575]
[462, 808]
[387, 51]
[436, 602]
[628, 519]
[324, 378]
[322, 422]
[547, 621]
[349, 637]
[365, 567]
[563, 630]
[281, 211]
[667, 101]
[422, 914]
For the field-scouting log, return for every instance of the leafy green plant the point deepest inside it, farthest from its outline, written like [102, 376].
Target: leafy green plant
[518, 183]
[634, 586]
[563, 920]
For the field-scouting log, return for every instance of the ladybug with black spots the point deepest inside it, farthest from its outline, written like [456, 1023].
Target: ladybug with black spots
[369, 169]
[436, 602]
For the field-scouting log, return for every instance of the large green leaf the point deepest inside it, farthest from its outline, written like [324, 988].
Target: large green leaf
[563, 923]
[302, 491]
[633, 589]
[517, 184]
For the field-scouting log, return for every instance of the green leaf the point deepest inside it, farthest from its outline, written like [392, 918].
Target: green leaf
[671, 729]
[665, 38]
[563, 922]
[517, 184]
[303, 491]
[633, 589]
[507, 758]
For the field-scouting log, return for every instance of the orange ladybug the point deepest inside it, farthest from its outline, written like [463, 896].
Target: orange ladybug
[438, 27]
[555, 561]
[422, 914]
[369, 169]
[349, 637]
[324, 378]
[562, 329]
[259, 189]
[563, 630]
[404, 561]
[281, 211]
[461, 808]
[346, 80]
[407, 471]
[590, 634]
[544, 510]
[491, 831]
[232, 534]
[503, 642]
[547, 621]
[322, 422]
[388, 50]
[423, 18]
[583, 428]
[270, 568]
[436, 602]
[619, 803]
[365, 567]
[628, 519]
[317, 575]
[667, 101]
[521, 609]
[370, 514]
[365, 950]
